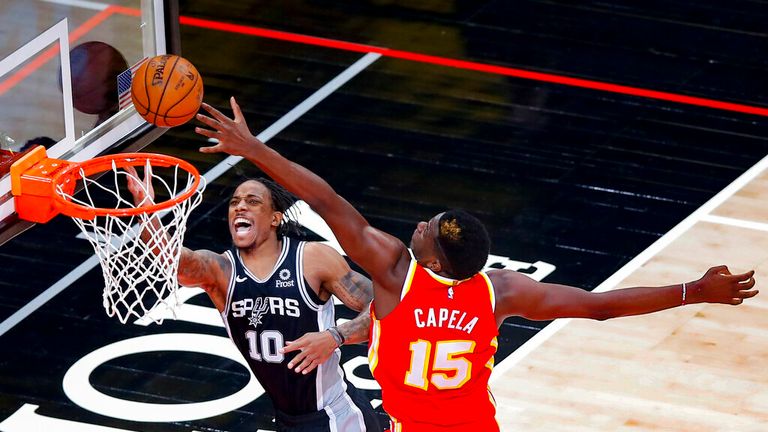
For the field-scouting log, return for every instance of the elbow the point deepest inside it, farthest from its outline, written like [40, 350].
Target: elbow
[603, 314]
[600, 309]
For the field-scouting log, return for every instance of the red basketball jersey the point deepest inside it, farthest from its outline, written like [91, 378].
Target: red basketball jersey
[433, 354]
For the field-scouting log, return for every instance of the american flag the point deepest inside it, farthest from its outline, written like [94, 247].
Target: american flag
[124, 84]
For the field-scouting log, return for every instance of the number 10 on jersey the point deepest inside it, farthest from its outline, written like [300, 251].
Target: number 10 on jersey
[270, 341]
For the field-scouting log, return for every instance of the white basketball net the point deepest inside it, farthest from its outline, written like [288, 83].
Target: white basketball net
[139, 270]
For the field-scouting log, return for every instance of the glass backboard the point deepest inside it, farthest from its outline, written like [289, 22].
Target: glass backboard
[59, 67]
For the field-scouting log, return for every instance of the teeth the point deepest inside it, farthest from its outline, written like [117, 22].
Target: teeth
[242, 224]
[242, 220]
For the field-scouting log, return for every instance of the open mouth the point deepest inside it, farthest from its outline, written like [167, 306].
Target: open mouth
[242, 225]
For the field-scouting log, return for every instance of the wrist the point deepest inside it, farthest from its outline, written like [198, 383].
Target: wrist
[692, 293]
[684, 294]
[337, 336]
[255, 147]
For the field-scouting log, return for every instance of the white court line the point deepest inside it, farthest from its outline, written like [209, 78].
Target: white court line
[211, 175]
[700, 214]
[735, 222]
[48, 294]
[80, 3]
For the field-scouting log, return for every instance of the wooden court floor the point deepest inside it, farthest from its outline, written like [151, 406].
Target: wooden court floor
[695, 368]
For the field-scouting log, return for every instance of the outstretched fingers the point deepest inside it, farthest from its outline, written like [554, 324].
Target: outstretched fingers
[746, 284]
[218, 115]
[743, 284]
[133, 175]
[745, 288]
[302, 362]
[134, 183]
[215, 131]
[306, 366]
[210, 122]
[209, 134]
[748, 293]
[141, 189]
[745, 276]
[737, 278]
[291, 346]
[236, 110]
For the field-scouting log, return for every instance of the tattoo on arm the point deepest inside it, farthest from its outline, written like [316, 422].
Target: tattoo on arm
[207, 270]
[356, 330]
[354, 290]
[203, 268]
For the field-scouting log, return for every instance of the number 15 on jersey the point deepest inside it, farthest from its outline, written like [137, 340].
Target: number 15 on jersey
[445, 369]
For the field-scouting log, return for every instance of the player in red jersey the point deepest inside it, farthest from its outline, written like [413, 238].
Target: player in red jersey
[435, 316]
[432, 354]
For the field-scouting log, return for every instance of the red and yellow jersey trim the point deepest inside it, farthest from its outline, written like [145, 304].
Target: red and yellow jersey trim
[408, 278]
[373, 348]
[491, 291]
[492, 361]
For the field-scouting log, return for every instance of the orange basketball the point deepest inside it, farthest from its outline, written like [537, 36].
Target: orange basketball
[167, 90]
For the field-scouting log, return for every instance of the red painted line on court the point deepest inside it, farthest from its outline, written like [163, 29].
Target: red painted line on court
[404, 55]
[51, 52]
[281, 35]
[476, 66]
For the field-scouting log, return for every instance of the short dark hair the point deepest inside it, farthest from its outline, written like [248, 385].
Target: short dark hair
[465, 243]
[282, 200]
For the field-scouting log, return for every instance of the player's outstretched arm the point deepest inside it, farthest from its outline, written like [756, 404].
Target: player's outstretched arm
[375, 251]
[517, 294]
[201, 268]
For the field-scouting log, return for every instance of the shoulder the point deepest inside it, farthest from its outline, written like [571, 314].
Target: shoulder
[221, 262]
[206, 258]
[222, 258]
[320, 251]
[324, 261]
[509, 283]
[517, 294]
[507, 278]
[208, 270]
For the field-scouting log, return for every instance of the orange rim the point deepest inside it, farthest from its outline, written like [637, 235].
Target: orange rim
[103, 164]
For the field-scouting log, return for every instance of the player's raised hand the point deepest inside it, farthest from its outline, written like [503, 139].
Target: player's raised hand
[232, 134]
[718, 285]
[142, 190]
[314, 349]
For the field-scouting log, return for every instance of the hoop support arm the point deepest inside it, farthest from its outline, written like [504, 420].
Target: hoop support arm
[32, 187]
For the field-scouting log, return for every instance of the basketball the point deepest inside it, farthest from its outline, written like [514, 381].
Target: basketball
[167, 90]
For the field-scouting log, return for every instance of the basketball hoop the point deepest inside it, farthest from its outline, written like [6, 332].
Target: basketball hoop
[139, 246]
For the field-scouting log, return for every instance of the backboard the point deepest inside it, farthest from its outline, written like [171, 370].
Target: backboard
[59, 63]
